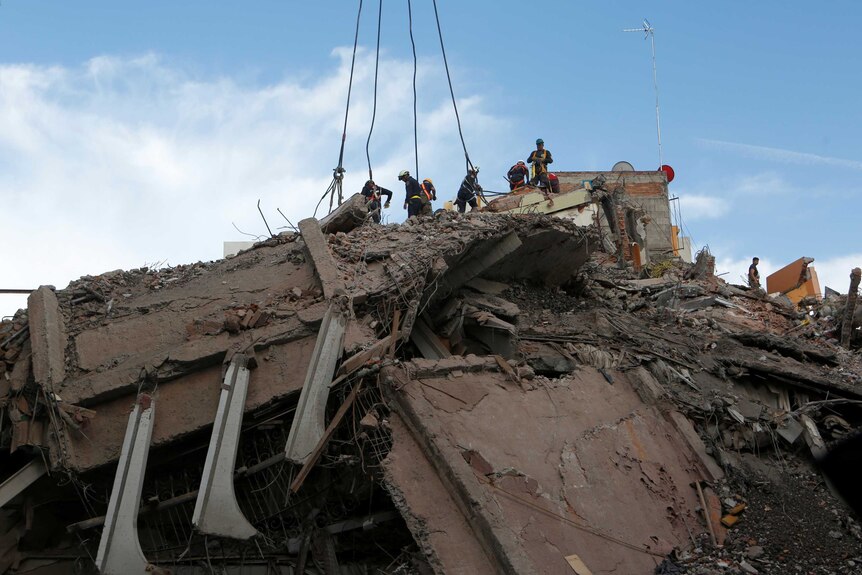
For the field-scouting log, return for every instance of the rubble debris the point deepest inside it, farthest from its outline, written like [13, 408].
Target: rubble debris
[498, 395]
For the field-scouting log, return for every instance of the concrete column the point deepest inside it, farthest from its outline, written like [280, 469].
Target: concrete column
[852, 295]
[216, 509]
[47, 337]
[308, 421]
[324, 264]
[120, 550]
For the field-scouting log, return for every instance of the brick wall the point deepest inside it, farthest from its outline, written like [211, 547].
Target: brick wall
[646, 190]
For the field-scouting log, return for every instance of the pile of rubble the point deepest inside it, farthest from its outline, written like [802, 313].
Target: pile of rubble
[486, 394]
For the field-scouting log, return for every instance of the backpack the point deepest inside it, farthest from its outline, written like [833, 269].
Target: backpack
[426, 192]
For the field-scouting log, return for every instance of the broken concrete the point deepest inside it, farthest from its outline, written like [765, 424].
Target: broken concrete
[324, 266]
[47, 338]
[571, 407]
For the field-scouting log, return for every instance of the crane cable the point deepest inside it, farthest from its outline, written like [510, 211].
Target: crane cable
[415, 124]
[451, 91]
[374, 109]
[338, 173]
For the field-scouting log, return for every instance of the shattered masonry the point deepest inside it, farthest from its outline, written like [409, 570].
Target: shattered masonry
[495, 393]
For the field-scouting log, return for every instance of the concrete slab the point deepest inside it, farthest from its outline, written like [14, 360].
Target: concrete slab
[607, 459]
[280, 372]
[450, 546]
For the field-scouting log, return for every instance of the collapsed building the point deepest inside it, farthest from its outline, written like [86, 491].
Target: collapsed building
[494, 393]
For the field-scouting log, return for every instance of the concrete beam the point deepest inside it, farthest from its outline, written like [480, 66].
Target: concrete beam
[324, 264]
[308, 421]
[479, 260]
[120, 550]
[216, 509]
[427, 341]
[47, 338]
[852, 295]
[21, 480]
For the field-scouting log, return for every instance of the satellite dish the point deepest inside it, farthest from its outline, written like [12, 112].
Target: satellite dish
[668, 171]
[623, 166]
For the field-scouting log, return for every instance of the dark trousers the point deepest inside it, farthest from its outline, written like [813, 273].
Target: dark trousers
[542, 177]
[374, 210]
[414, 207]
[462, 204]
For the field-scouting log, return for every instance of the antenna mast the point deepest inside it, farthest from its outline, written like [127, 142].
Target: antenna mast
[649, 32]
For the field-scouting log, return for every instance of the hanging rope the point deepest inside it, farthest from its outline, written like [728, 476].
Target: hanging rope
[338, 173]
[451, 91]
[415, 126]
[374, 109]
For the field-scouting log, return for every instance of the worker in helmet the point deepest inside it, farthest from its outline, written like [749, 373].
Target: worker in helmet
[373, 194]
[518, 175]
[540, 158]
[413, 194]
[469, 189]
[429, 194]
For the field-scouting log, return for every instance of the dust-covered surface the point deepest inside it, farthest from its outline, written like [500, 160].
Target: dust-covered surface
[565, 405]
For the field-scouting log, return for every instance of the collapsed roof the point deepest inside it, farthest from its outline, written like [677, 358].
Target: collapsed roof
[492, 393]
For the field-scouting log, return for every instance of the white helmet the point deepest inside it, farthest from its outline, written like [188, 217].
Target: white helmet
[403, 173]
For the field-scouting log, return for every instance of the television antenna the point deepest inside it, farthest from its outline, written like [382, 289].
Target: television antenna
[649, 32]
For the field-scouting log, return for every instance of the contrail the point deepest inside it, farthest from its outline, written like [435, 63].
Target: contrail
[781, 155]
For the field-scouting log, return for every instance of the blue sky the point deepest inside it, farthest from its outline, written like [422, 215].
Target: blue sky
[142, 133]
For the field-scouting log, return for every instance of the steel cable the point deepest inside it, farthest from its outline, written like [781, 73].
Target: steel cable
[415, 126]
[349, 86]
[451, 90]
[374, 108]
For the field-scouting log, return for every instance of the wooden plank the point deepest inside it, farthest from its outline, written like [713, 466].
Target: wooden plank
[321, 445]
[577, 565]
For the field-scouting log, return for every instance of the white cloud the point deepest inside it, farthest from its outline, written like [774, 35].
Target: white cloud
[702, 207]
[126, 161]
[833, 272]
[735, 270]
[781, 155]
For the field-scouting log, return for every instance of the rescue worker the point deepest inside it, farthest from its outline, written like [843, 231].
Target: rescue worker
[413, 194]
[518, 176]
[753, 274]
[468, 190]
[373, 194]
[540, 158]
[429, 194]
[555, 183]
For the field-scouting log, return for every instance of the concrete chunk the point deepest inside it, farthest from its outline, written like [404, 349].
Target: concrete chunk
[47, 337]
